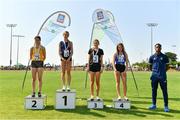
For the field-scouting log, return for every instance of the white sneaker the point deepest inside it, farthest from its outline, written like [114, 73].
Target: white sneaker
[126, 98]
[68, 88]
[119, 98]
[98, 98]
[91, 98]
[64, 88]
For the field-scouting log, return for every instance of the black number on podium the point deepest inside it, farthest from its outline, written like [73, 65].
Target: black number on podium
[122, 105]
[34, 103]
[65, 100]
[95, 105]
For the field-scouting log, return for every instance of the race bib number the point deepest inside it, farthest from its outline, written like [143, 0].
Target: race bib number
[95, 59]
[66, 53]
[36, 56]
[120, 59]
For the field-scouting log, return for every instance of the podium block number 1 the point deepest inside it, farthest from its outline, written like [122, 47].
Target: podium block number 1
[65, 100]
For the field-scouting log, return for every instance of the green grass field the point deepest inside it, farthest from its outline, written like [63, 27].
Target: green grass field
[12, 98]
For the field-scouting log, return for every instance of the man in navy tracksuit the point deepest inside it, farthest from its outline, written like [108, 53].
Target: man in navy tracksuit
[159, 65]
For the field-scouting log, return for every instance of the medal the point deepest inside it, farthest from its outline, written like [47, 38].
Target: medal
[66, 51]
[95, 57]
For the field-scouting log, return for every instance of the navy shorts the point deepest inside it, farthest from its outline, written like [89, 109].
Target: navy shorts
[95, 68]
[120, 67]
[37, 64]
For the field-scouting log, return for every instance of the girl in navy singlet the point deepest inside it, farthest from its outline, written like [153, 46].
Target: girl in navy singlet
[120, 65]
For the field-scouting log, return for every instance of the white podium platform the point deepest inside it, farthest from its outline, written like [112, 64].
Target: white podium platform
[95, 104]
[35, 102]
[65, 99]
[121, 104]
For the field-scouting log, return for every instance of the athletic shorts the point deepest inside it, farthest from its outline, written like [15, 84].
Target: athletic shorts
[120, 67]
[66, 58]
[95, 68]
[37, 64]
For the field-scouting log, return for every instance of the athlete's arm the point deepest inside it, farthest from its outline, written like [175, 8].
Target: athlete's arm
[150, 63]
[88, 62]
[44, 53]
[167, 63]
[127, 61]
[60, 52]
[102, 63]
[31, 52]
[113, 62]
[70, 56]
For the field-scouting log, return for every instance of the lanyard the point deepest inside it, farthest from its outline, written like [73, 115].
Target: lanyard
[96, 52]
[65, 45]
[37, 50]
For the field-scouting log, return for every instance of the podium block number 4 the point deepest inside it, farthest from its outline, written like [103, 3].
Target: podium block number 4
[121, 105]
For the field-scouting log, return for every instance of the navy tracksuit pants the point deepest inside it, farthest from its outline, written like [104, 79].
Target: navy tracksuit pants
[163, 84]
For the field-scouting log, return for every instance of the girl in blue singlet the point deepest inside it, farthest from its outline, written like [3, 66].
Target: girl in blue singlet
[66, 53]
[120, 65]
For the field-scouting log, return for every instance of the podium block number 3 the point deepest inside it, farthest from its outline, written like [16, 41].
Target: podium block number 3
[65, 100]
[34, 103]
[95, 105]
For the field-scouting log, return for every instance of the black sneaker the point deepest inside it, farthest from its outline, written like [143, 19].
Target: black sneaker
[39, 94]
[33, 94]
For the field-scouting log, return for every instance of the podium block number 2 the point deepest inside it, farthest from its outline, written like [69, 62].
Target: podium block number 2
[34, 103]
[121, 105]
[65, 100]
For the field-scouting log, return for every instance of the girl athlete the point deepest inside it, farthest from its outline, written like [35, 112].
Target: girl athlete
[37, 57]
[65, 53]
[95, 67]
[120, 65]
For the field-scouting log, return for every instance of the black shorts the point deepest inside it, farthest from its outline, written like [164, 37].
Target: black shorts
[95, 68]
[120, 67]
[37, 64]
[66, 58]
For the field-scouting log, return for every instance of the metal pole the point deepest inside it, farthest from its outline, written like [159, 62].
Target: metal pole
[152, 25]
[11, 26]
[18, 52]
[18, 36]
[151, 40]
[11, 49]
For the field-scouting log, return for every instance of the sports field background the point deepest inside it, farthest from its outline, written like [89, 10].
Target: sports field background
[12, 98]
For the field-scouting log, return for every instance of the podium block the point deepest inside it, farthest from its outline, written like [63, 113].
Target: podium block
[65, 99]
[35, 102]
[95, 104]
[121, 104]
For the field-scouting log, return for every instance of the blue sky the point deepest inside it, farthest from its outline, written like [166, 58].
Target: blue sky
[131, 17]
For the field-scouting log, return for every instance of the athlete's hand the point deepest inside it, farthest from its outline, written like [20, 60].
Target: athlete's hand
[126, 68]
[101, 69]
[115, 70]
[87, 69]
[63, 59]
[68, 59]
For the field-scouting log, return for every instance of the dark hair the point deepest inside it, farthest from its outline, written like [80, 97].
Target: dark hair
[37, 37]
[158, 44]
[123, 49]
[66, 33]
